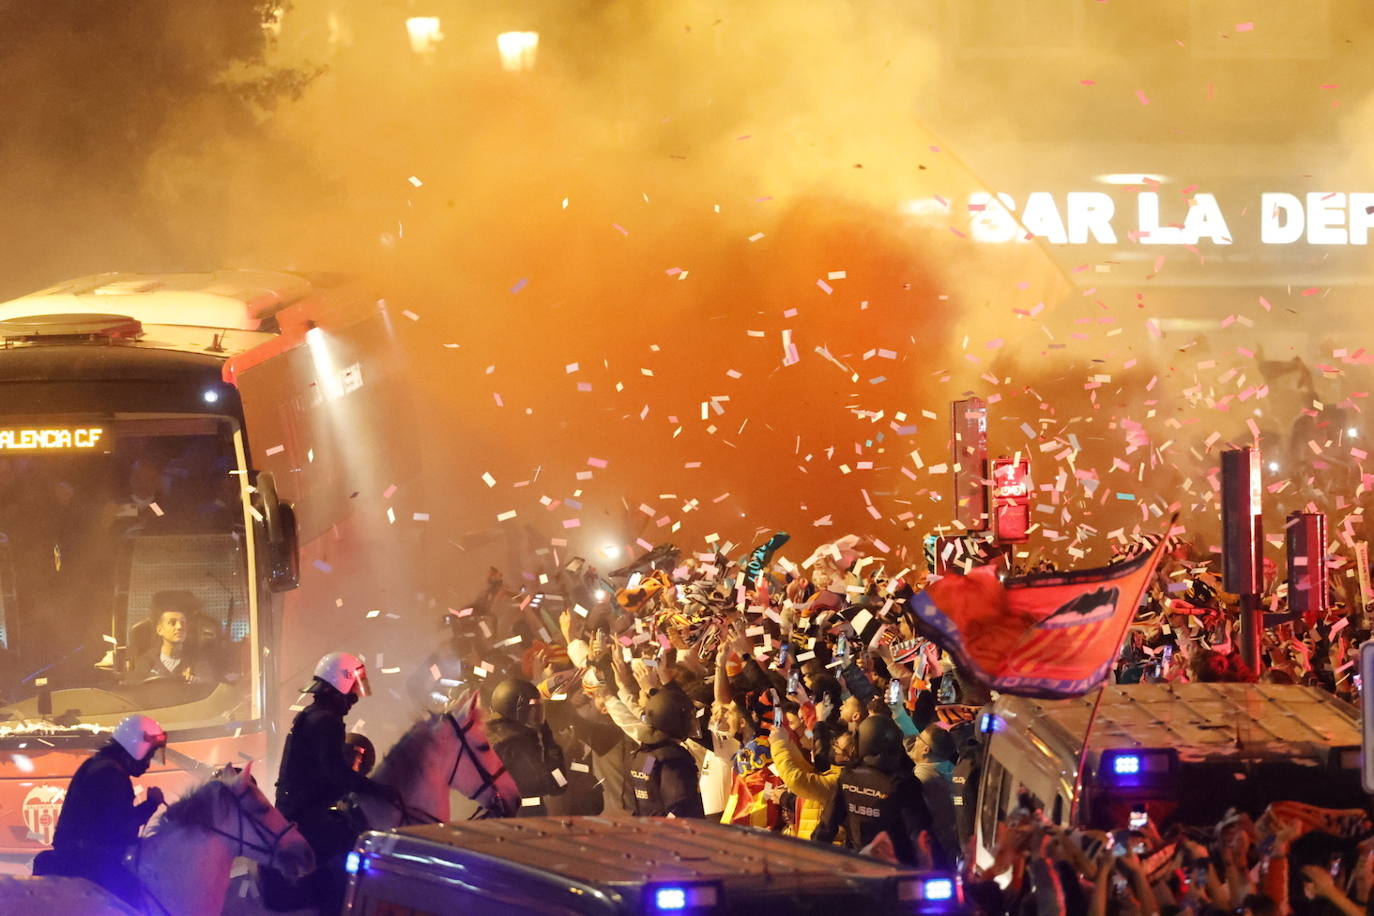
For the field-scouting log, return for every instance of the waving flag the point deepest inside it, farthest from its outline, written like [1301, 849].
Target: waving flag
[1051, 635]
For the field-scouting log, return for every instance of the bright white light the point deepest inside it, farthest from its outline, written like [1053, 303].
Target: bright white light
[1350, 431]
[425, 33]
[611, 551]
[1131, 178]
[600, 594]
[211, 396]
[325, 373]
[1273, 465]
[517, 50]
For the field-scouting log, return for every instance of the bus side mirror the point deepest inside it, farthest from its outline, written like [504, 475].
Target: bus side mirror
[281, 542]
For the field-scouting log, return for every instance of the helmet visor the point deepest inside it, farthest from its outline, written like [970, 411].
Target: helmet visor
[360, 685]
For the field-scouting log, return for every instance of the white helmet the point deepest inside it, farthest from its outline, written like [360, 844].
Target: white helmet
[141, 735]
[345, 672]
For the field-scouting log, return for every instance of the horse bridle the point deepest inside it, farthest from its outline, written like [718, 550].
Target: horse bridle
[263, 832]
[269, 843]
[488, 779]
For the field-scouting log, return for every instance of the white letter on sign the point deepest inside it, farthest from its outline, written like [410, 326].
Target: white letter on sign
[1151, 233]
[1326, 218]
[1204, 220]
[1281, 218]
[1091, 211]
[1041, 217]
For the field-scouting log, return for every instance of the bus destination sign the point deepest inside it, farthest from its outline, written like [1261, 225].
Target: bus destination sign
[50, 439]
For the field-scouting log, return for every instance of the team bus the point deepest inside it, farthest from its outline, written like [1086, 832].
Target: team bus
[143, 551]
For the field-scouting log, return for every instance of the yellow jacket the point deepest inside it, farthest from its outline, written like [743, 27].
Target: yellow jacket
[811, 788]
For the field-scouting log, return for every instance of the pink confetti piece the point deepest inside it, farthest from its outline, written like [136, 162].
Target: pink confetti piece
[519, 285]
[1245, 26]
[1144, 99]
[275, 450]
[389, 492]
[597, 462]
[825, 286]
[619, 228]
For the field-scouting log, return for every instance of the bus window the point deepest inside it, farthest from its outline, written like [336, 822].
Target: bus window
[993, 799]
[124, 575]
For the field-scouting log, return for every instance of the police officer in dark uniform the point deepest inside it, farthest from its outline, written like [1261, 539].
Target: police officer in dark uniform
[316, 769]
[317, 772]
[878, 794]
[664, 774]
[525, 743]
[99, 819]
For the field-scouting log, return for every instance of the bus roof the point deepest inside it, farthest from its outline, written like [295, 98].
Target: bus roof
[240, 300]
[1200, 721]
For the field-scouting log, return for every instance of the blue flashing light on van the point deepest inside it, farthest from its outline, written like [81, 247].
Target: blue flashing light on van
[1126, 763]
[938, 889]
[670, 898]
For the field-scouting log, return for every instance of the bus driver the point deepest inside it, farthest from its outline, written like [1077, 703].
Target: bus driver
[174, 613]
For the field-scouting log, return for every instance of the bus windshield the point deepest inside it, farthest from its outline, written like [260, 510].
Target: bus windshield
[124, 573]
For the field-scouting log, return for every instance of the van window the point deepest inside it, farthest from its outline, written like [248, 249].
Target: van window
[1059, 809]
[995, 783]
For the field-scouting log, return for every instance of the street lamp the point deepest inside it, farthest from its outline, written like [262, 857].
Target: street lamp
[517, 50]
[425, 34]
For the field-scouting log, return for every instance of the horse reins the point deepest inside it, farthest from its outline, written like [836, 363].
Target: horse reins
[488, 778]
[262, 830]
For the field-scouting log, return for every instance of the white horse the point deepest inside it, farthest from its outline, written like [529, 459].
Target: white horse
[445, 751]
[442, 753]
[183, 864]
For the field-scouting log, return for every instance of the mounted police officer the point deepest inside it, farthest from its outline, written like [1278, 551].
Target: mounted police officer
[316, 769]
[878, 794]
[664, 774]
[99, 819]
[525, 743]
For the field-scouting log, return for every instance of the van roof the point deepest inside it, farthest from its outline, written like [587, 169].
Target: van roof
[608, 851]
[1200, 721]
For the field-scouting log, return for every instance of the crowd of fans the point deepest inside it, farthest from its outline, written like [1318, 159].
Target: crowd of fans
[804, 698]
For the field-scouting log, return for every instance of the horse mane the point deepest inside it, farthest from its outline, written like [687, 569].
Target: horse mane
[200, 808]
[400, 767]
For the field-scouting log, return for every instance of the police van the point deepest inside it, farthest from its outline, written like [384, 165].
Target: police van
[623, 866]
[1173, 752]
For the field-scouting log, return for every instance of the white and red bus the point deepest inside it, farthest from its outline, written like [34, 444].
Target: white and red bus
[128, 486]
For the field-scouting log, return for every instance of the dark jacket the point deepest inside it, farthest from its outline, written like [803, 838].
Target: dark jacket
[869, 802]
[532, 757]
[99, 816]
[665, 781]
[315, 772]
[99, 821]
[149, 664]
